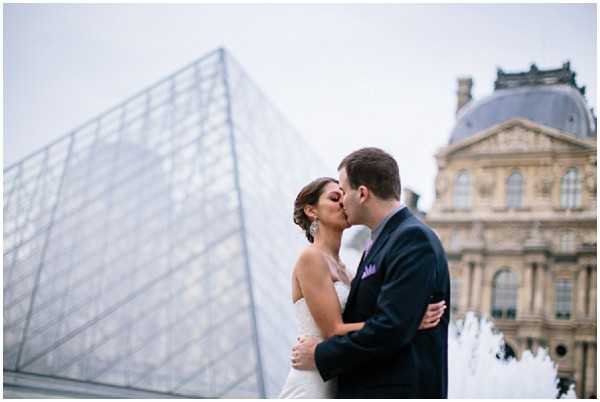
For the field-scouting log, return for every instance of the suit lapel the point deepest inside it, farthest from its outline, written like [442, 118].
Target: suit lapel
[381, 240]
[389, 227]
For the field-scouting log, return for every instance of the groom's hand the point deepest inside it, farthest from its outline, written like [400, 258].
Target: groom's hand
[303, 353]
[433, 315]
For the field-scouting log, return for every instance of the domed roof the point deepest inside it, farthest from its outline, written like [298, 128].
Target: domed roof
[560, 106]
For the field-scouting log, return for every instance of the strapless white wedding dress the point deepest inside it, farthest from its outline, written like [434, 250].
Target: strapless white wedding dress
[308, 383]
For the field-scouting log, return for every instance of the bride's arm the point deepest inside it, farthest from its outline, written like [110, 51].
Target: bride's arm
[430, 319]
[343, 329]
[317, 288]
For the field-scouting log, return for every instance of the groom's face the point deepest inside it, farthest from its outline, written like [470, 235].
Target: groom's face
[350, 199]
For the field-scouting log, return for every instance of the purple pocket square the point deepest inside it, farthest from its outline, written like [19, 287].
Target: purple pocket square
[369, 270]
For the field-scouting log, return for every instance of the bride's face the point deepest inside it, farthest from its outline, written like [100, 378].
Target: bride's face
[350, 200]
[330, 209]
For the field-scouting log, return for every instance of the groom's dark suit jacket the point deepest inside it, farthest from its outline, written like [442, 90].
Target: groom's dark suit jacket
[405, 270]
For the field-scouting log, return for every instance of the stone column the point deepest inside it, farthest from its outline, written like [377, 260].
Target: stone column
[593, 307]
[590, 382]
[548, 306]
[540, 289]
[525, 294]
[464, 290]
[576, 293]
[468, 286]
[578, 365]
[477, 284]
[579, 290]
[486, 293]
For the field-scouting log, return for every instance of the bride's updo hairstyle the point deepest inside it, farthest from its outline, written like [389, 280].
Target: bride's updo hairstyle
[309, 195]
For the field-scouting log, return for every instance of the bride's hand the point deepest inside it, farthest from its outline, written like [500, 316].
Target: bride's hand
[303, 353]
[433, 315]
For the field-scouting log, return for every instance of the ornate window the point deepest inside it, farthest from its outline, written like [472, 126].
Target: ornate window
[567, 241]
[504, 295]
[514, 190]
[570, 189]
[462, 190]
[562, 299]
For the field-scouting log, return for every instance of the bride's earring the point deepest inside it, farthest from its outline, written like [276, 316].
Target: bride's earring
[314, 227]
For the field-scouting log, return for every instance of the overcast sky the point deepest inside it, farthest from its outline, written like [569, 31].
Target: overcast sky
[345, 76]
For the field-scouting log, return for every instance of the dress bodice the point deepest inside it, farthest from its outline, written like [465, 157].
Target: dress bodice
[308, 383]
[306, 324]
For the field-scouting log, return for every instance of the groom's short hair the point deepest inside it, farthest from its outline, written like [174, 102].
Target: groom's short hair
[375, 169]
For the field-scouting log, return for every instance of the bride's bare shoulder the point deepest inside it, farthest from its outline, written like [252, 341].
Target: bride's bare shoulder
[310, 258]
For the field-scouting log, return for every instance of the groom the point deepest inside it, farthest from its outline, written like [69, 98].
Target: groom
[402, 270]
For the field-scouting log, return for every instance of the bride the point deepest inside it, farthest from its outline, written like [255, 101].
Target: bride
[320, 282]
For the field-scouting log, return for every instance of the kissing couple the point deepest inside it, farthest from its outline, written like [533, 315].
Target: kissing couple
[383, 333]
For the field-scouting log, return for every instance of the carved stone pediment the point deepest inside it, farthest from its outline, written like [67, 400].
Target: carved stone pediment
[515, 136]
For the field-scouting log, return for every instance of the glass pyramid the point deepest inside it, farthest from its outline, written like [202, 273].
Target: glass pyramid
[151, 248]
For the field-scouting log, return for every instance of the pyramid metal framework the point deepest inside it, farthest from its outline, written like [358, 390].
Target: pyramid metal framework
[151, 248]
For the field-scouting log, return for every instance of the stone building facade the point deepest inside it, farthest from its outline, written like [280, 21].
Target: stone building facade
[515, 208]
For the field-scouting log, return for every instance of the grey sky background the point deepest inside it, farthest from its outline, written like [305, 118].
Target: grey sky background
[346, 76]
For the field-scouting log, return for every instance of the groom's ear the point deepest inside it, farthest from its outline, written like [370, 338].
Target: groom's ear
[363, 193]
